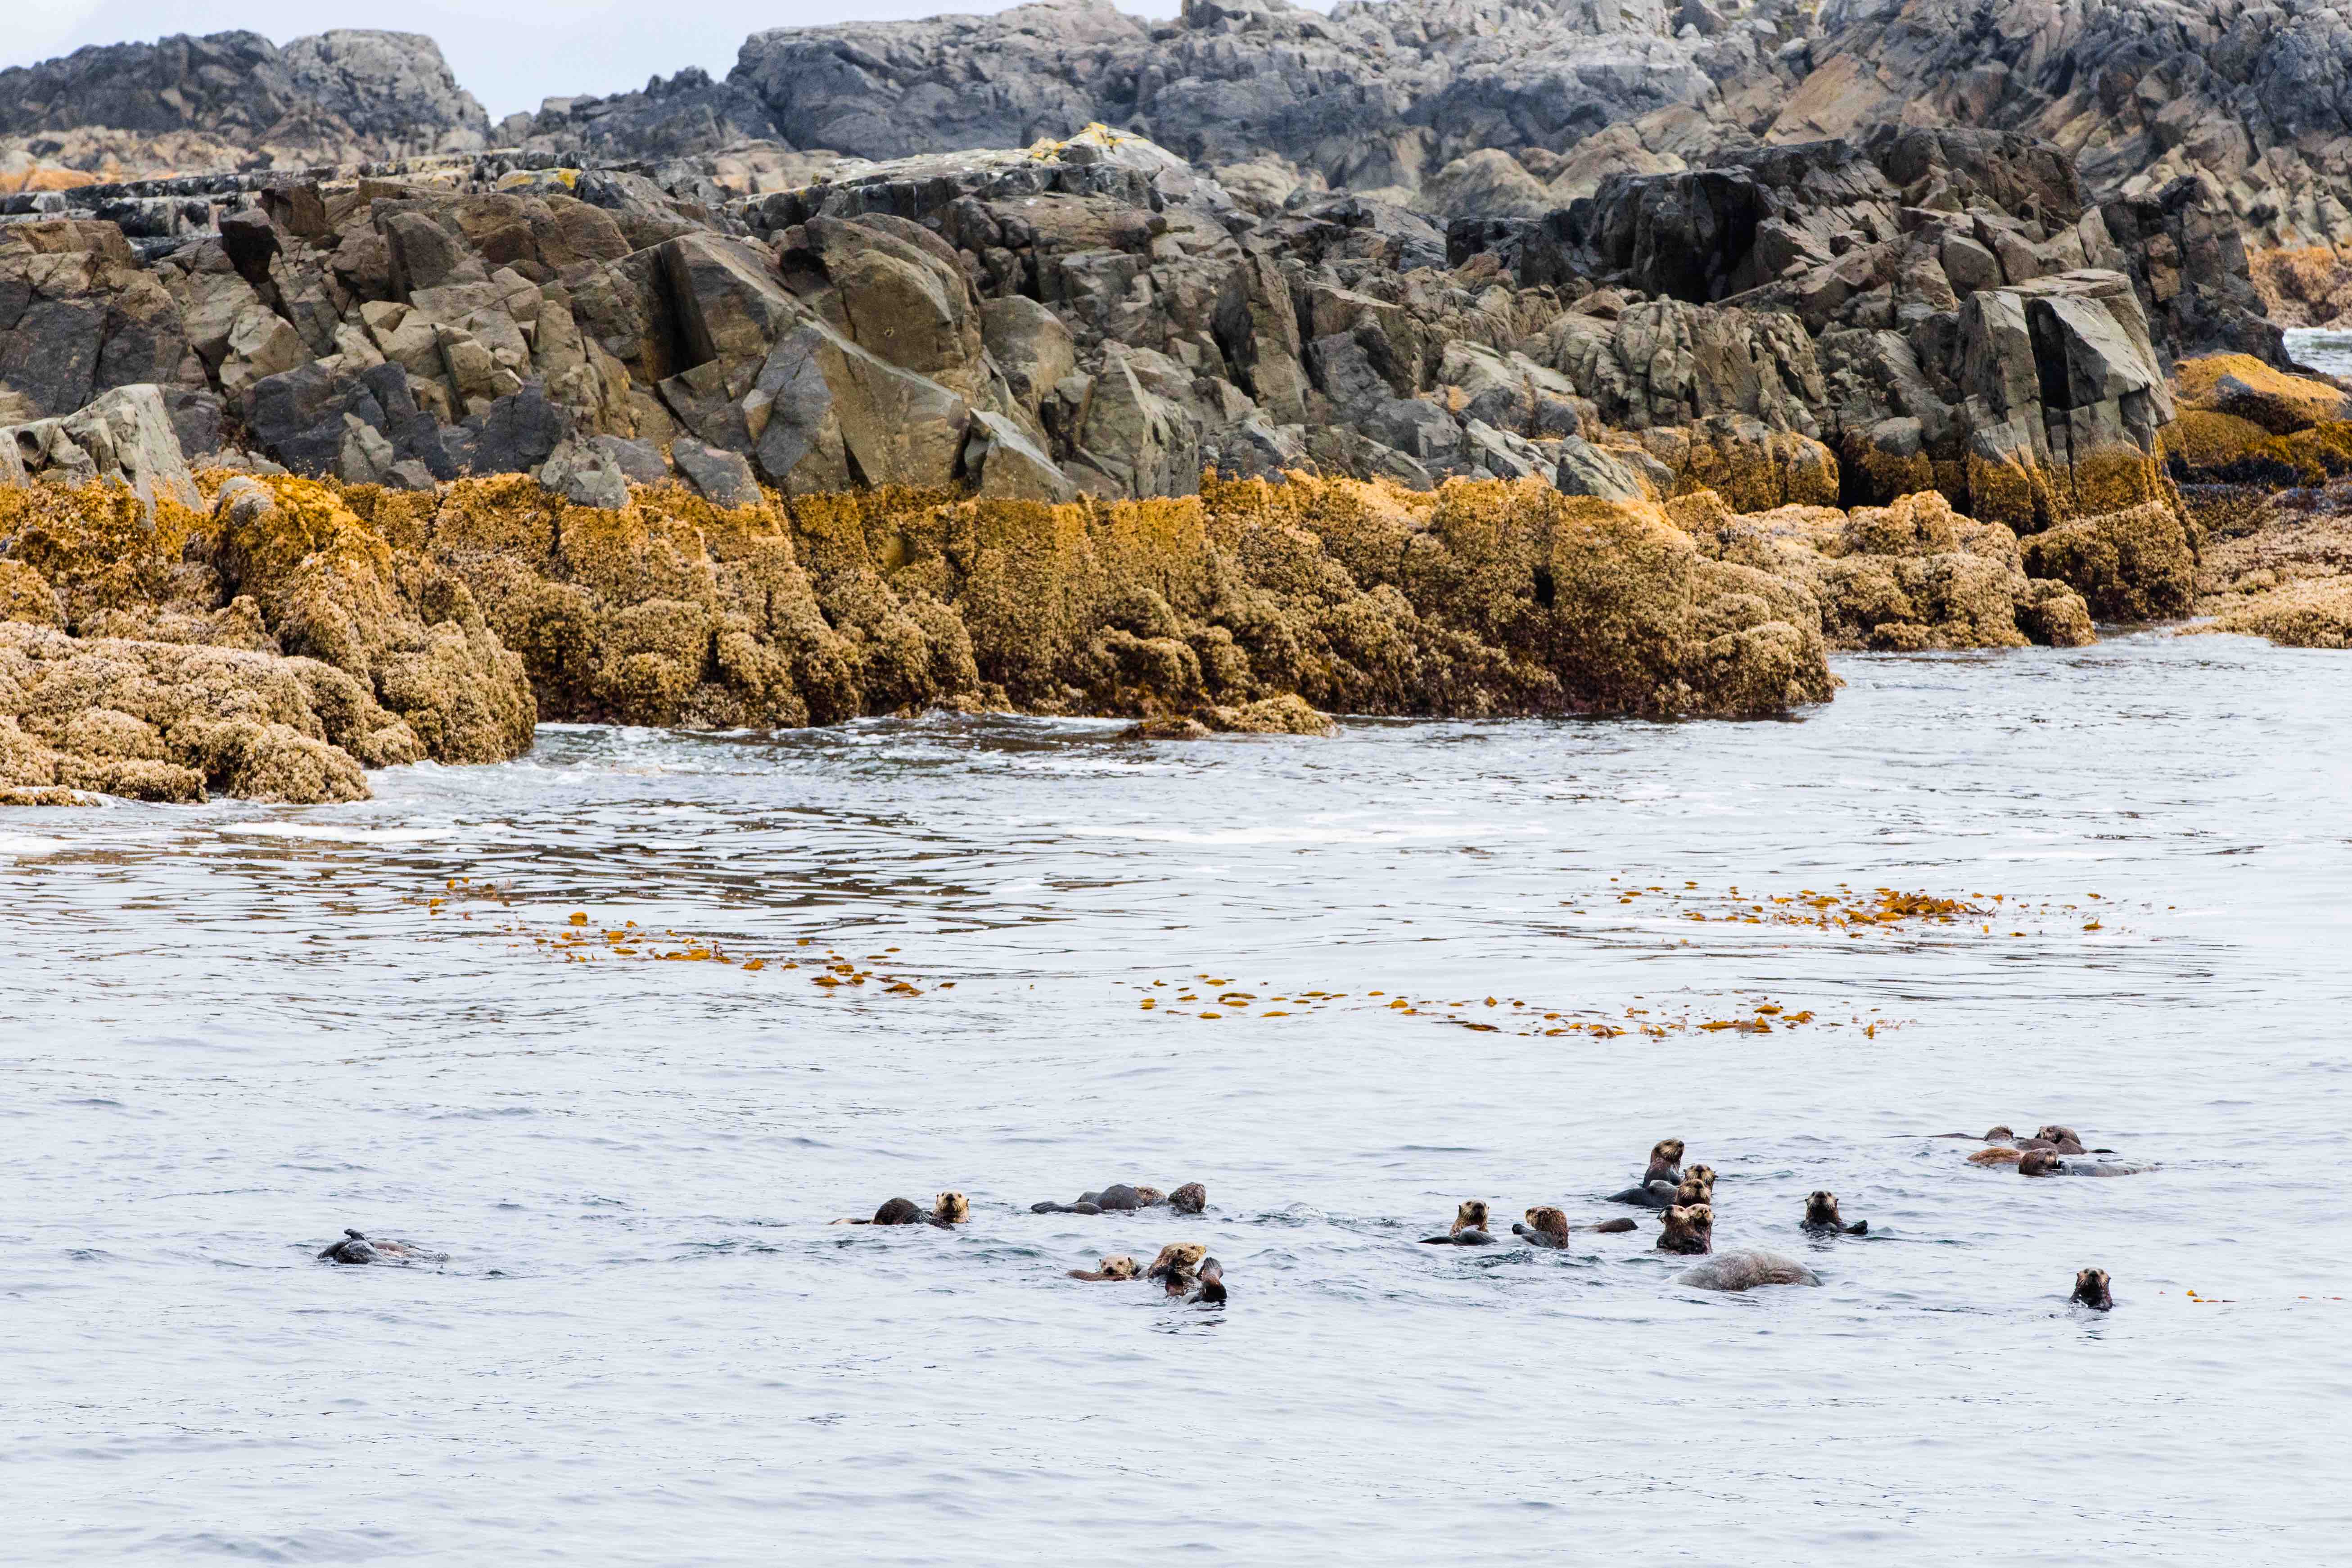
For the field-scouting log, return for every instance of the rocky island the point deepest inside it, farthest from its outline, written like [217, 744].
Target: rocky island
[1430, 357]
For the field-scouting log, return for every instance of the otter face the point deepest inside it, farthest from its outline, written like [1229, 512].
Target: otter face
[2057, 1134]
[1670, 1150]
[1687, 1229]
[2040, 1162]
[1178, 1257]
[1692, 1191]
[1701, 1173]
[1189, 1198]
[1119, 1267]
[1821, 1209]
[1471, 1216]
[951, 1208]
[2091, 1290]
[1551, 1221]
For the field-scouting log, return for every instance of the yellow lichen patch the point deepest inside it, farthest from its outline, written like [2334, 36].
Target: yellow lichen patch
[2243, 386]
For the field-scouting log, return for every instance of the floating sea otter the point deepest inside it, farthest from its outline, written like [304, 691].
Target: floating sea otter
[2091, 1290]
[1120, 1198]
[357, 1248]
[1821, 1215]
[1659, 1182]
[2007, 1145]
[1175, 1265]
[1469, 1227]
[2044, 1162]
[1120, 1267]
[1548, 1227]
[1687, 1230]
[1212, 1292]
[1744, 1270]
[948, 1208]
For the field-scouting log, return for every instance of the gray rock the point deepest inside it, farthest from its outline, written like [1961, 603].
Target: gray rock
[125, 434]
[586, 473]
[639, 462]
[724, 479]
[1008, 465]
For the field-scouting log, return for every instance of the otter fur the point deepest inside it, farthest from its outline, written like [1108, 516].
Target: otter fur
[1212, 1292]
[1687, 1230]
[1656, 1194]
[1120, 1198]
[1694, 1192]
[1120, 1267]
[2045, 1162]
[1545, 1228]
[1175, 1265]
[1744, 1270]
[947, 1209]
[2091, 1290]
[1821, 1216]
[1189, 1198]
[1469, 1227]
[358, 1248]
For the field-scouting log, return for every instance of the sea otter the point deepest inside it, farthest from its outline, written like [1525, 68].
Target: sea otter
[1658, 1183]
[1469, 1227]
[1821, 1216]
[2045, 1162]
[948, 1208]
[1687, 1230]
[1175, 1265]
[1212, 1292]
[1189, 1198]
[1118, 1268]
[356, 1248]
[1701, 1173]
[1744, 1270]
[1694, 1192]
[2091, 1290]
[1118, 1198]
[1548, 1227]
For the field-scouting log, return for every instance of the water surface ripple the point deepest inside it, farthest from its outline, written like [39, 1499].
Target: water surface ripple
[228, 1032]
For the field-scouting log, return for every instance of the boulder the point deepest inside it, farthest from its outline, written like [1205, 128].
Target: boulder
[724, 479]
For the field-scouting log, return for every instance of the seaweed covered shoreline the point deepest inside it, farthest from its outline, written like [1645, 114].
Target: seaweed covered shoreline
[283, 635]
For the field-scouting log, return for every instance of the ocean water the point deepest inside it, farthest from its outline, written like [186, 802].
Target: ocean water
[228, 1032]
[2321, 349]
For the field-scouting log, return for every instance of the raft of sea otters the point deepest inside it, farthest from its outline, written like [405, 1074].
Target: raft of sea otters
[1683, 1198]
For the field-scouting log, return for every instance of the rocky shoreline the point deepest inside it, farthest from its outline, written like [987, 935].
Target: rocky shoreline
[307, 471]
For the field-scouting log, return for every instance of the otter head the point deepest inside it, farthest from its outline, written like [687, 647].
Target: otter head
[2057, 1134]
[1471, 1216]
[1670, 1150]
[1148, 1196]
[1177, 1257]
[1998, 1135]
[1692, 1191]
[1701, 1173]
[1822, 1209]
[1122, 1267]
[1189, 1198]
[2040, 1162]
[1549, 1221]
[2091, 1290]
[1687, 1229]
[951, 1208]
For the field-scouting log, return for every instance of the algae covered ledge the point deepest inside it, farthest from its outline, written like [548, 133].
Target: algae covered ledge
[285, 634]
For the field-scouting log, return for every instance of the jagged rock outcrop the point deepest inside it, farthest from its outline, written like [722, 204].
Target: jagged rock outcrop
[343, 95]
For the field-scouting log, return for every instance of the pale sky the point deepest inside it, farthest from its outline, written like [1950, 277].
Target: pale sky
[508, 53]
